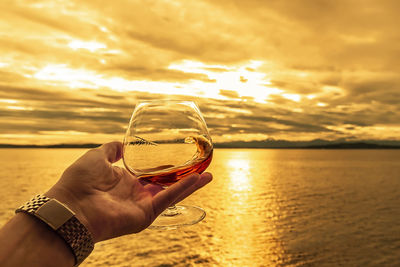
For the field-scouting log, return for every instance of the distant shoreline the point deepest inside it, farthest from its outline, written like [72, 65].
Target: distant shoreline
[51, 146]
[239, 145]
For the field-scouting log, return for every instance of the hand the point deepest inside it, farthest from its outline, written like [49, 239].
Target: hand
[110, 201]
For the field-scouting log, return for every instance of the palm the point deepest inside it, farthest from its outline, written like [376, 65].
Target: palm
[113, 201]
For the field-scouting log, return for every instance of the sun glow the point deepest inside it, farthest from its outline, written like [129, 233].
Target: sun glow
[92, 46]
[8, 101]
[240, 82]
[13, 104]
[244, 82]
[19, 108]
[294, 97]
[242, 79]
[73, 78]
[61, 74]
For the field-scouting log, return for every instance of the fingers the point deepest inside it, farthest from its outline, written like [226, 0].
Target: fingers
[113, 151]
[167, 197]
[205, 178]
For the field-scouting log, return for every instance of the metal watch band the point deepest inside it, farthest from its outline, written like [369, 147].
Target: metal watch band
[62, 220]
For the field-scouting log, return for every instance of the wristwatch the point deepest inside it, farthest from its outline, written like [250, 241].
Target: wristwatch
[62, 220]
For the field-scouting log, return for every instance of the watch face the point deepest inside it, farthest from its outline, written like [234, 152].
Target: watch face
[54, 213]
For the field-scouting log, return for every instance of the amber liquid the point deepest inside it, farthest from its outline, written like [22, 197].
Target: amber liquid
[166, 163]
[171, 177]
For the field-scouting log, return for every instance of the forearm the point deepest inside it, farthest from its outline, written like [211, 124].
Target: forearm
[27, 241]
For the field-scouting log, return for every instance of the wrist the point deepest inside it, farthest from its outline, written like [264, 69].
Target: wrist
[83, 209]
[72, 202]
[25, 240]
[63, 221]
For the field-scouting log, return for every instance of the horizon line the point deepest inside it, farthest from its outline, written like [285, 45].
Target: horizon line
[362, 144]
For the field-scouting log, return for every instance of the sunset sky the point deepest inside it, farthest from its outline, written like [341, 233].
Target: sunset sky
[72, 71]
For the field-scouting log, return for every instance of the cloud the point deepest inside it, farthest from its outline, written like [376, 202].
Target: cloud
[283, 69]
[229, 93]
[132, 71]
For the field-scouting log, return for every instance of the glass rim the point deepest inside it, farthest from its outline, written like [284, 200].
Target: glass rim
[164, 101]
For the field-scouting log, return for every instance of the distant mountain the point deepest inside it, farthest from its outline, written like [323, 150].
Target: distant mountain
[50, 146]
[268, 143]
[316, 144]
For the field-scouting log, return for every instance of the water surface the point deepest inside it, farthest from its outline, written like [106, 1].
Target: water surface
[264, 208]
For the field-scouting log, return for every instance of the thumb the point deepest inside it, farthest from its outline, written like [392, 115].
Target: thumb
[112, 151]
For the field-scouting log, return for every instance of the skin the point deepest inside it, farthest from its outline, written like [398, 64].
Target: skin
[107, 199]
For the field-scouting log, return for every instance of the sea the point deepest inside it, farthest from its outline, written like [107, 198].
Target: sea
[265, 207]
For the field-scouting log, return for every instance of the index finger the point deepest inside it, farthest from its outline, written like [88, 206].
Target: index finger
[113, 151]
[205, 178]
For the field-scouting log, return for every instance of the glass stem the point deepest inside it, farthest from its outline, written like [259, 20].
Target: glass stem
[171, 211]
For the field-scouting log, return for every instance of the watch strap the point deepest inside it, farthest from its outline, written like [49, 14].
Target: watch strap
[62, 220]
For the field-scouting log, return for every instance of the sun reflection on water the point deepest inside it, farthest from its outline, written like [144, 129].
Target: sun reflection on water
[246, 233]
[239, 174]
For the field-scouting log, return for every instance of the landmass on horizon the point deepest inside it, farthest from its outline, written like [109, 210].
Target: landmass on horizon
[269, 143]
